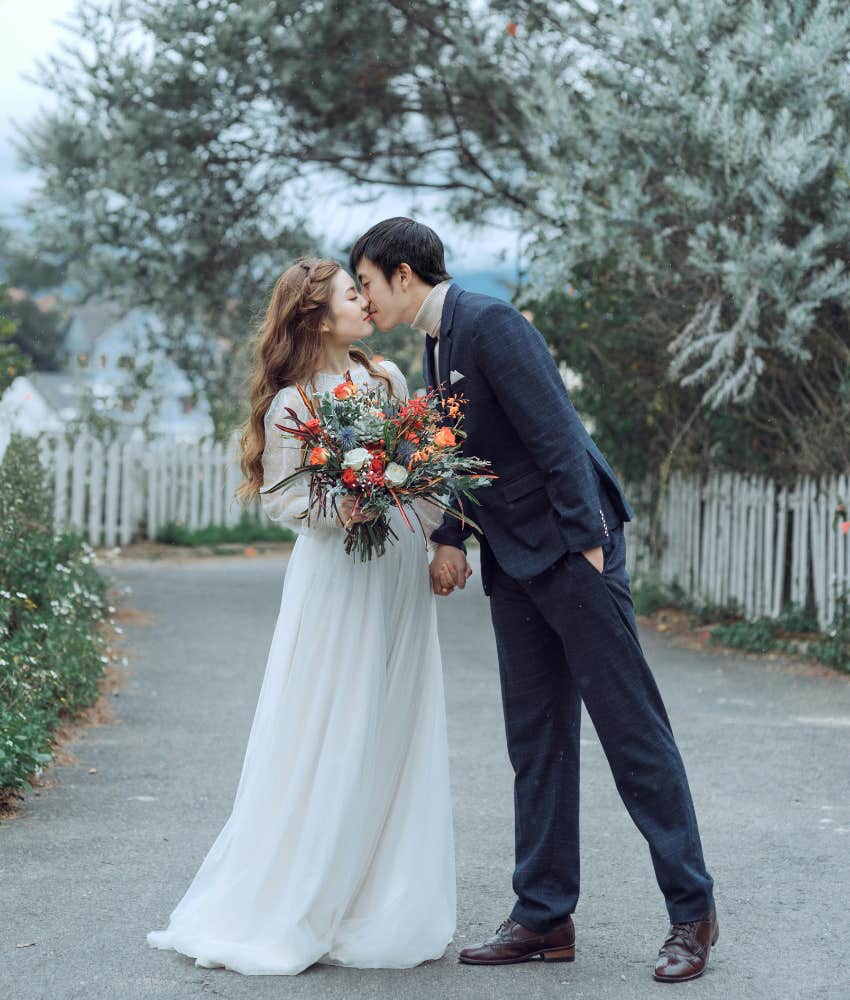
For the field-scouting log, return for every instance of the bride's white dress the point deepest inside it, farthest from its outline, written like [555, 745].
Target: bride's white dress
[339, 846]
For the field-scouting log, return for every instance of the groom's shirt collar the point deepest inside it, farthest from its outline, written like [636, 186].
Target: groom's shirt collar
[430, 314]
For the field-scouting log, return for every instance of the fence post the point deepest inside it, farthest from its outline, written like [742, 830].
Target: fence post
[96, 494]
[127, 485]
[79, 468]
[769, 500]
[165, 455]
[231, 480]
[205, 483]
[61, 459]
[151, 481]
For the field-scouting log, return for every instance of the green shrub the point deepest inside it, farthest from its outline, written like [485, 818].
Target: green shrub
[710, 614]
[834, 648]
[247, 530]
[778, 634]
[758, 636]
[52, 601]
[649, 595]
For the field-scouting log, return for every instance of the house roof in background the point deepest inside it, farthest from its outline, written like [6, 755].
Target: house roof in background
[90, 321]
[60, 389]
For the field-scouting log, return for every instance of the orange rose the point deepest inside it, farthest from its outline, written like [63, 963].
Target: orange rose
[318, 456]
[313, 425]
[445, 438]
[349, 477]
[344, 390]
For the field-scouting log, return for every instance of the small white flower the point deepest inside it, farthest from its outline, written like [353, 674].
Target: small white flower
[355, 459]
[395, 475]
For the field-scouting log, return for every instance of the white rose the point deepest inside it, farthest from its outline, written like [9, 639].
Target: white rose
[355, 459]
[395, 475]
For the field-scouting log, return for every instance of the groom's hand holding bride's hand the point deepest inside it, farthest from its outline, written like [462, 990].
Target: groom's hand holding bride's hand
[449, 569]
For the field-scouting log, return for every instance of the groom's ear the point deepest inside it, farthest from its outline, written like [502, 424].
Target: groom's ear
[405, 275]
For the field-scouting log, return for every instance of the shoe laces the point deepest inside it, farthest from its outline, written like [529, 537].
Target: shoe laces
[683, 934]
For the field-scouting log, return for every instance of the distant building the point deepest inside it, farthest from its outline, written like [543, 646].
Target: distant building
[104, 346]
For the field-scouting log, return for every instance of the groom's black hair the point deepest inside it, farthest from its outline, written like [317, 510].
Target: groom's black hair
[402, 241]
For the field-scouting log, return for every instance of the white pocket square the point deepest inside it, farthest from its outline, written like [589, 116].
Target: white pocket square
[455, 377]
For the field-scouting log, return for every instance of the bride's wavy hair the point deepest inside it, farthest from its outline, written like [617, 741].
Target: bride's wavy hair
[287, 348]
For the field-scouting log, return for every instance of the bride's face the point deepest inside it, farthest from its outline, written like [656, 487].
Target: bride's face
[348, 319]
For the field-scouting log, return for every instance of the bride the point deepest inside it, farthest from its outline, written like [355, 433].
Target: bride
[339, 846]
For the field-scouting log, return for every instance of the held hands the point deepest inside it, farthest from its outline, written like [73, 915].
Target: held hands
[449, 569]
[347, 517]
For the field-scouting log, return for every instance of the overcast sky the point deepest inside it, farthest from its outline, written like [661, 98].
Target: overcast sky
[30, 31]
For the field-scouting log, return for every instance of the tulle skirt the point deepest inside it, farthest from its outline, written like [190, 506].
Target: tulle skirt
[339, 847]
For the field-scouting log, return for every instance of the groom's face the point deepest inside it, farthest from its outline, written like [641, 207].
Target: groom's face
[386, 299]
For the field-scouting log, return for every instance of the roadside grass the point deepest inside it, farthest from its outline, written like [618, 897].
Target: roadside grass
[245, 532]
[795, 630]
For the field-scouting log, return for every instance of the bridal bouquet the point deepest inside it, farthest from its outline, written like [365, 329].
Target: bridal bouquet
[356, 441]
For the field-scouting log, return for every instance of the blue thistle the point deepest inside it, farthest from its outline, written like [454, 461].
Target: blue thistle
[347, 438]
[404, 450]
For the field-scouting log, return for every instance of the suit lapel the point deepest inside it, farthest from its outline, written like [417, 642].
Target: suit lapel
[446, 330]
[445, 362]
[430, 376]
[428, 363]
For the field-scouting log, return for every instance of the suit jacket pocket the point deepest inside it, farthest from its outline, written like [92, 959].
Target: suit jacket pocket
[523, 485]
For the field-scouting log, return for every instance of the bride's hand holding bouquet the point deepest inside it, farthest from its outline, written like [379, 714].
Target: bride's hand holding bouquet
[366, 454]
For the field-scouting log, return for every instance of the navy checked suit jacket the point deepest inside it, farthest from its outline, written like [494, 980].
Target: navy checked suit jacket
[556, 492]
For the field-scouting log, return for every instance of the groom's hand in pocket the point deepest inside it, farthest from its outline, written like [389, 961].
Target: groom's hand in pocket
[449, 569]
[596, 558]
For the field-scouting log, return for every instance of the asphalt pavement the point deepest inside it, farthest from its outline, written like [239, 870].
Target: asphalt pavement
[99, 859]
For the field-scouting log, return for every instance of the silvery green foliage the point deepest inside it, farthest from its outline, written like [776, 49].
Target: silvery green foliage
[703, 146]
[177, 163]
[699, 145]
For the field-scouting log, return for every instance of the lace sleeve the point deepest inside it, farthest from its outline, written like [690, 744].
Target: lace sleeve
[399, 382]
[430, 516]
[282, 456]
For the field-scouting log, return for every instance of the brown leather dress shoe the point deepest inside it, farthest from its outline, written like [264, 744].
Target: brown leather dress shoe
[514, 943]
[684, 954]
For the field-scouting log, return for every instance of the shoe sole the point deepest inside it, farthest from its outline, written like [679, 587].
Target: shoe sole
[551, 955]
[696, 975]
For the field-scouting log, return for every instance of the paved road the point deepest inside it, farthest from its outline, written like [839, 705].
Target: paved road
[100, 859]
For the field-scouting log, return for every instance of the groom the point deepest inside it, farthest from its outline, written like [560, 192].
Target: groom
[553, 566]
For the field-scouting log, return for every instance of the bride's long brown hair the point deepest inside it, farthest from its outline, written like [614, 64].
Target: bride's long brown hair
[287, 349]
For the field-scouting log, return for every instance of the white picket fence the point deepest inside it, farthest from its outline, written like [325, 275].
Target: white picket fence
[731, 539]
[728, 539]
[131, 490]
